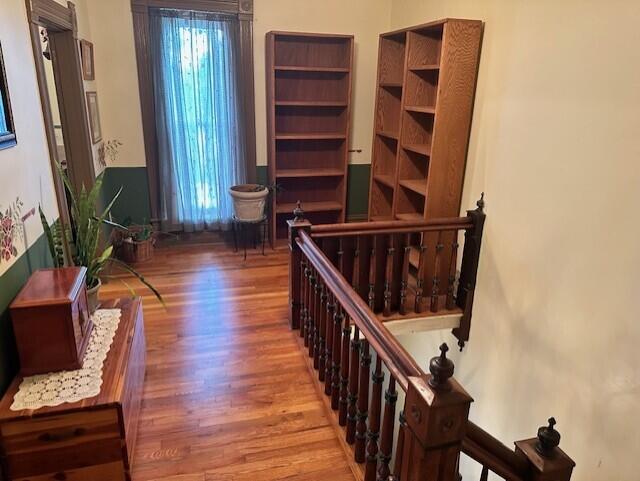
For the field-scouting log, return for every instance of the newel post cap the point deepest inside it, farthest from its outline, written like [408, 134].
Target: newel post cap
[548, 439]
[441, 369]
[298, 213]
[296, 224]
[546, 460]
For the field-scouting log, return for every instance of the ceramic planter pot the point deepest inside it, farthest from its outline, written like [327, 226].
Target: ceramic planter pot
[249, 201]
[92, 297]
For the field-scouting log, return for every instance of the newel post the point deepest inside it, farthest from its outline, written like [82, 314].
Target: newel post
[469, 271]
[547, 462]
[297, 224]
[436, 411]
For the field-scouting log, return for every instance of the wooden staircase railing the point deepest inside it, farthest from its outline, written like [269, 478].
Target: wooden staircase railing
[402, 269]
[351, 351]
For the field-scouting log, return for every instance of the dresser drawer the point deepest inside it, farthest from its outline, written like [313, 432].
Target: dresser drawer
[54, 444]
[103, 472]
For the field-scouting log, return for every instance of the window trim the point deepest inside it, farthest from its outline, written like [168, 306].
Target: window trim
[8, 139]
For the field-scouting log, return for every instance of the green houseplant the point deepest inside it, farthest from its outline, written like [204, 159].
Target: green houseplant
[84, 238]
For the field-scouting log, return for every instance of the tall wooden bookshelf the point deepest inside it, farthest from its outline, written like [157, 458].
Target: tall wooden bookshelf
[308, 117]
[425, 92]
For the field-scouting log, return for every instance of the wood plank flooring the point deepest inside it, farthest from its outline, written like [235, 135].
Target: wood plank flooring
[227, 393]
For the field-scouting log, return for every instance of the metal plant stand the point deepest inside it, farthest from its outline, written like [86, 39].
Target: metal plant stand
[244, 228]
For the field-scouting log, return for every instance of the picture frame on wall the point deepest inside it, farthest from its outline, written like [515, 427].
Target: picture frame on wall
[7, 127]
[94, 117]
[86, 55]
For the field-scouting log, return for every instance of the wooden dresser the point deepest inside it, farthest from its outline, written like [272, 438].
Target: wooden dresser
[92, 439]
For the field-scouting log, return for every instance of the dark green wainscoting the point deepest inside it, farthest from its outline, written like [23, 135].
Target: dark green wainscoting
[357, 189]
[36, 257]
[134, 199]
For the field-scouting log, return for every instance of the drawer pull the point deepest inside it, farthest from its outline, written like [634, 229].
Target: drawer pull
[48, 437]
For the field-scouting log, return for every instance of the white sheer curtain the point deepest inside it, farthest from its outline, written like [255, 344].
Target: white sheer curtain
[200, 132]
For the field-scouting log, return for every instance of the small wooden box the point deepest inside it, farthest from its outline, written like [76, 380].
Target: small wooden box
[51, 321]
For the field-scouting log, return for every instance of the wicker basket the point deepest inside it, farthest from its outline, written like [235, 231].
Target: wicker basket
[132, 251]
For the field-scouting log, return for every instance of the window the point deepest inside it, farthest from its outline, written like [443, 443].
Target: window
[7, 131]
[198, 117]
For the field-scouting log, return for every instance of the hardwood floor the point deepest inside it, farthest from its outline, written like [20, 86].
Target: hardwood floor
[227, 393]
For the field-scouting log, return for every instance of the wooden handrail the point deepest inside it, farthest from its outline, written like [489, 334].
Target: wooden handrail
[490, 461]
[391, 227]
[396, 358]
[492, 453]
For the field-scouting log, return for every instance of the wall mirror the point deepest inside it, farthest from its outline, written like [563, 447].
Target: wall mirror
[7, 130]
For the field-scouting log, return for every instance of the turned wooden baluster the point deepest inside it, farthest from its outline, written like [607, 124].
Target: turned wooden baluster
[484, 476]
[377, 378]
[309, 297]
[354, 363]
[330, 321]
[420, 279]
[372, 277]
[341, 256]
[435, 287]
[355, 276]
[402, 429]
[388, 279]
[404, 281]
[386, 435]
[363, 403]
[451, 302]
[312, 310]
[339, 319]
[322, 331]
[344, 374]
[304, 286]
[318, 319]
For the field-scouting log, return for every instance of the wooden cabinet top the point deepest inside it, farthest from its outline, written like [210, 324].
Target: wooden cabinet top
[113, 372]
[51, 286]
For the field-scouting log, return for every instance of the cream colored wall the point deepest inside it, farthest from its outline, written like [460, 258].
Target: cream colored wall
[116, 71]
[555, 146]
[24, 169]
[363, 18]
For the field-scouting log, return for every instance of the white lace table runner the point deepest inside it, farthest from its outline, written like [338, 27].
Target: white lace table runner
[56, 388]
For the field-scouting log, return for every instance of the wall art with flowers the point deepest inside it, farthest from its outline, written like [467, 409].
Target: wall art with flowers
[11, 230]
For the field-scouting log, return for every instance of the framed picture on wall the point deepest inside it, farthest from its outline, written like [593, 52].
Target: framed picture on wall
[94, 117]
[86, 54]
[7, 129]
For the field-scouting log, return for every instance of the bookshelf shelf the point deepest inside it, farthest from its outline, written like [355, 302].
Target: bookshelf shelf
[385, 179]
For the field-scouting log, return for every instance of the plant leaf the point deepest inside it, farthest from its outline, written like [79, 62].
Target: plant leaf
[140, 277]
[50, 241]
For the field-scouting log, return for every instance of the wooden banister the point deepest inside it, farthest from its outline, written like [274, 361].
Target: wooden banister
[407, 269]
[348, 345]
[395, 357]
[491, 446]
[490, 462]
